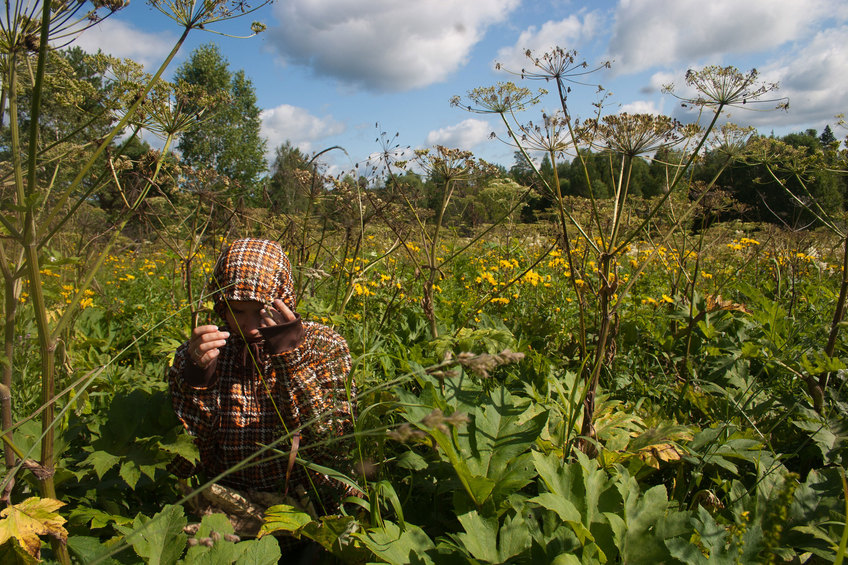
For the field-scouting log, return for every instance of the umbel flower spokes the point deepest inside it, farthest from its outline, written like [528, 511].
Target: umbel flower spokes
[717, 87]
[551, 135]
[503, 98]
[731, 140]
[558, 64]
[450, 164]
[635, 134]
[199, 13]
[20, 23]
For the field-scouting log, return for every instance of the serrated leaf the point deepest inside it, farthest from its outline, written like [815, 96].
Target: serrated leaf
[182, 445]
[329, 530]
[30, 519]
[265, 551]
[398, 547]
[96, 518]
[486, 453]
[411, 460]
[564, 508]
[102, 461]
[222, 552]
[159, 540]
[283, 518]
[130, 472]
[488, 540]
[88, 549]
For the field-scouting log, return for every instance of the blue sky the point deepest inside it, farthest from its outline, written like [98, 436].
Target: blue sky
[327, 72]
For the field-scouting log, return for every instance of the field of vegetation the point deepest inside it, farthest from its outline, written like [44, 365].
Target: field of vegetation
[628, 348]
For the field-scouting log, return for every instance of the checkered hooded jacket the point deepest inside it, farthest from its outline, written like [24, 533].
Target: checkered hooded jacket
[260, 395]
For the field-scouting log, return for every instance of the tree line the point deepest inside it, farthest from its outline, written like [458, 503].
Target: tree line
[223, 154]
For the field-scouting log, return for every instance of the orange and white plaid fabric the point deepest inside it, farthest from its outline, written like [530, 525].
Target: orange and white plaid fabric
[251, 269]
[258, 395]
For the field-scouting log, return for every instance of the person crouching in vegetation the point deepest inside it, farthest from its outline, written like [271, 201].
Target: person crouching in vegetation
[264, 375]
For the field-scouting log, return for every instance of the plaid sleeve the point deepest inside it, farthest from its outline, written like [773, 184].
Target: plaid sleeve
[195, 406]
[317, 374]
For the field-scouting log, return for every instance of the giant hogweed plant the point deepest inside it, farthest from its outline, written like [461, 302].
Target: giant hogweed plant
[623, 137]
[40, 202]
[793, 168]
[449, 169]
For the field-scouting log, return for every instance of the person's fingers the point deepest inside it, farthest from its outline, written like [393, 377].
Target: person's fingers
[267, 317]
[284, 310]
[207, 357]
[204, 344]
[275, 313]
[203, 330]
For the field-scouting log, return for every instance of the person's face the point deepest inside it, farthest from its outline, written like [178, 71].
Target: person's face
[245, 315]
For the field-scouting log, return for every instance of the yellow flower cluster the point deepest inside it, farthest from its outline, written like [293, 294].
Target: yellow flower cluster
[744, 243]
[362, 290]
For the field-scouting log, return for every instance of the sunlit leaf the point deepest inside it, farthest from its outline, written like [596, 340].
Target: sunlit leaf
[283, 517]
[30, 519]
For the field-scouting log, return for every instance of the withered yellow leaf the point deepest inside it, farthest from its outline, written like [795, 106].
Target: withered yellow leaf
[30, 519]
[652, 455]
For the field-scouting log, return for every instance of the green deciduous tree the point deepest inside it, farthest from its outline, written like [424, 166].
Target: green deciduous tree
[287, 188]
[229, 142]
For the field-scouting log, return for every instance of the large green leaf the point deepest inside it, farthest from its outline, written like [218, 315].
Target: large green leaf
[646, 522]
[715, 545]
[139, 435]
[396, 546]
[490, 453]
[96, 518]
[333, 533]
[816, 516]
[159, 540]
[283, 517]
[102, 461]
[88, 549]
[581, 495]
[486, 539]
[264, 551]
[222, 551]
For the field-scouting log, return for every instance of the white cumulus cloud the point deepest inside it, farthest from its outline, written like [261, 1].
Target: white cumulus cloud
[640, 107]
[121, 39]
[291, 123]
[815, 80]
[384, 45]
[650, 33]
[464, 135]
[567, 33]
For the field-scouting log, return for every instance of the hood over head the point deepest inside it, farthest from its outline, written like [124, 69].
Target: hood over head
[251, 269]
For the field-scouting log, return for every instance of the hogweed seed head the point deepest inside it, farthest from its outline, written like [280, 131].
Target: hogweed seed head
[483, 363]
[503, 98]
[551, 136]
[405, 432]
[717, 87]
[634, 134]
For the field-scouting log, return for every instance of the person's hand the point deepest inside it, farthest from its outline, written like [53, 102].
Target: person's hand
[203, 347]
[275, 314]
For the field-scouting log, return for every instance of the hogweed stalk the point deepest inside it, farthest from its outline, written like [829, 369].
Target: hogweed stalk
[31, 223]
[624, 137]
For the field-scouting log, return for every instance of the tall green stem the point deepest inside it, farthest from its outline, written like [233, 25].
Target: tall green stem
[839, 311]
[581, 303]
[11, 291]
